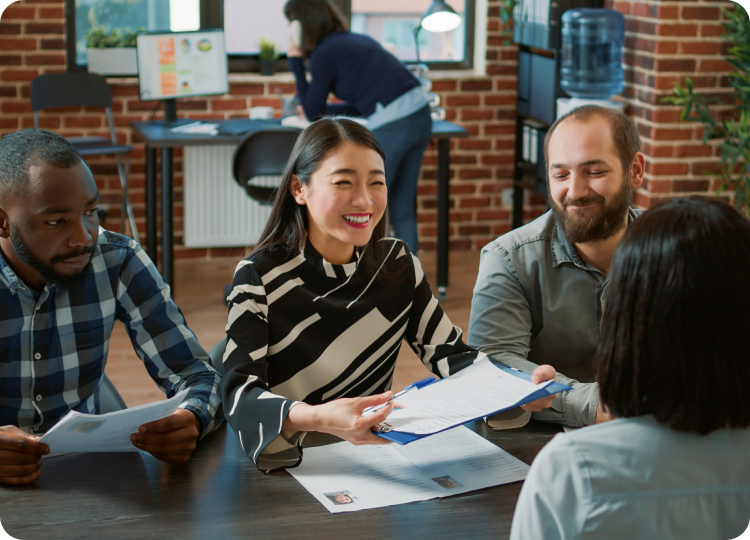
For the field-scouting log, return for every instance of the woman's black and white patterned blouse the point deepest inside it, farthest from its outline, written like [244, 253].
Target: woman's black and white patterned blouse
[302, 329]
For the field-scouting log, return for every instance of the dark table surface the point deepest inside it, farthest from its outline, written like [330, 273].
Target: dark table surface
[220, 494]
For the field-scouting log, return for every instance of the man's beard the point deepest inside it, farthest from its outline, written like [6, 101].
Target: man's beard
[46, 270]
[594, 226]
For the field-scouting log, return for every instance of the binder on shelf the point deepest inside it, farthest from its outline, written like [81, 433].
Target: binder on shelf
[537, 22]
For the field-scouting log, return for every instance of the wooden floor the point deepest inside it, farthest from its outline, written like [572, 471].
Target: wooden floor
[198, 293]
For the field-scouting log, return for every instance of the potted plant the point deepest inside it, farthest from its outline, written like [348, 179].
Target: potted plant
[111, 53]
[733, 131]
[268, 56]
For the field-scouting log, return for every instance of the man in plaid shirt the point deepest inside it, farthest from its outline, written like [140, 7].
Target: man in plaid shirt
[63, 284]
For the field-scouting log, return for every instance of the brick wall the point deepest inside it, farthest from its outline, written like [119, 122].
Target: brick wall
[665, 41]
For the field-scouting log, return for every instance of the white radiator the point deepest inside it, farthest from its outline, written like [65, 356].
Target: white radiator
[218, 212]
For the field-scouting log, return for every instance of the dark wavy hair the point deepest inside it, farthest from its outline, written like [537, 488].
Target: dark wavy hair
[675, 336]
[287, 225]
[319, 19]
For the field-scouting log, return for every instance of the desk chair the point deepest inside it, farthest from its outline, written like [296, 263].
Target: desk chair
[109, 398]
[54, 90]
[263, 153]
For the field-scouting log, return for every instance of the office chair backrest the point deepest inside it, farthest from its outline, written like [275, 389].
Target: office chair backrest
[69, 90]
[263, 153]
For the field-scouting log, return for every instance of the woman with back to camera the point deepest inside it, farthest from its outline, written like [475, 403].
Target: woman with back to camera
[319, 309]
[673, 368]
[373, 84]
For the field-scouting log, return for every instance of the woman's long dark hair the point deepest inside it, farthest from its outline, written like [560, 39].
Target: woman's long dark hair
[287, 226]
[319, 19]
[675, 336]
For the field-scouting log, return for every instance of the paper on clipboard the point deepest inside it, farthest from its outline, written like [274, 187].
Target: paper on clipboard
[479, 390]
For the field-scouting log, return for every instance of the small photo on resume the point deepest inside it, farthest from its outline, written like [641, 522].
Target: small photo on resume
[341, 497]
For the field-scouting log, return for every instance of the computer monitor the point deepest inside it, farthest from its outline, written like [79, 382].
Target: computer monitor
[181, 64]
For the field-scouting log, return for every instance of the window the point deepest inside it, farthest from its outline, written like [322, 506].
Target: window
[391, 22]
[126, 15]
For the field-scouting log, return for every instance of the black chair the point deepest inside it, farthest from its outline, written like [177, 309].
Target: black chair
[216, 354]
[53, 90]
[262, 154]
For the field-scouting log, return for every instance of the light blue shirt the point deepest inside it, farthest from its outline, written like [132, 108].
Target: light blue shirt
[636, 479]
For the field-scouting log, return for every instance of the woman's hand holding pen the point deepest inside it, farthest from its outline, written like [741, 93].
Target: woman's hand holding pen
[342, 418]
[539, 375]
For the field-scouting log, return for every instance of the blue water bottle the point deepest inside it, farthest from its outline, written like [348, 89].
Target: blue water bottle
[592, 53]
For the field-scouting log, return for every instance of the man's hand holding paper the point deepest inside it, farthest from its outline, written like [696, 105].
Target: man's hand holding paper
[20, 456]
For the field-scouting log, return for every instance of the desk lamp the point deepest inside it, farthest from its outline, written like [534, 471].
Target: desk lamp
[439, 17]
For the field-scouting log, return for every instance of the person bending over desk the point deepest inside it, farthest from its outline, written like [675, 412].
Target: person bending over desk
[318, 310]
[673, 365]
[374, 84]
[63, 284]
[541, 288]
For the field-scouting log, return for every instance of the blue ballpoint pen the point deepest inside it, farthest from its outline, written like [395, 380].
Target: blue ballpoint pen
[413, 386]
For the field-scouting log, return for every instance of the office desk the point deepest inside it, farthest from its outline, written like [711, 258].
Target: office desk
[158, 136]
[220, 494]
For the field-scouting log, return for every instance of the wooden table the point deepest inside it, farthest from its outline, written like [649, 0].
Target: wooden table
[220, 494]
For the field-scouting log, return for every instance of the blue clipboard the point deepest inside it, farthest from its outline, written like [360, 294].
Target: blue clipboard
[555, 388]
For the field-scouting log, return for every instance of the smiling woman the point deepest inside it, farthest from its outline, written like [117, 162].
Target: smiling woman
[318, 311]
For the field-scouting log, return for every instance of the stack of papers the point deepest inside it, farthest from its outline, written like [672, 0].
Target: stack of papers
[348, 478]
[197, 128]
[78, 432]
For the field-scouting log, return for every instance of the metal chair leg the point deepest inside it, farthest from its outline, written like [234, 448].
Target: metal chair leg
[127, 208]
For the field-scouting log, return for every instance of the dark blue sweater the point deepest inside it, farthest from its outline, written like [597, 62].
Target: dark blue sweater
[357, 70]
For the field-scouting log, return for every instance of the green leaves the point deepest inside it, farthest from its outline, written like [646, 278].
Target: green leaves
[98, 38]
[268, 52]
[733, 132]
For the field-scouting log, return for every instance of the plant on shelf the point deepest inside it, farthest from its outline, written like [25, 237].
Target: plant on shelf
[268, 56]
[111, 53]
[732, 130]
[507, 13]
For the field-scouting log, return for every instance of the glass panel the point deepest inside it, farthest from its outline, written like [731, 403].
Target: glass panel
[391, 22]
[131, 15]
[245, 22]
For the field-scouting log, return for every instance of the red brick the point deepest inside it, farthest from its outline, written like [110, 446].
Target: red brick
[673, 64]
[10, 60]
[702, 13]
[462, 100]
[497, 159]
[500, 100]
[666, 12]
[462, 189]
[50, 45]
[13, 107]
[712, 30]
[660, 186]
[443, 86]
[699, 169]
[51, 13]
[474, 144]
[690, 185]
[473, 202]
[246, 89]
[45, 59]
[21, 44]
[666, 169]
[44, 28]
[192, 105]
[8, 91]
[266, 102]
[228, 104]
[469, 173]
[664, 116]
[693, 150]
[677, 30]
[468, 230]
[641, 10]
[10, 29]
[492, 215]
[672, 134]
[476, 85]
[699, 47]
[468, 115]
[18, 12]
[496, 129]
[9, 123]
[622, 7]
[123, 91]
[18, 75]
[721, 66]
[83, 122]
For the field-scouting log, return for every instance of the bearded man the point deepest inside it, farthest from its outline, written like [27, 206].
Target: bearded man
[541, 288]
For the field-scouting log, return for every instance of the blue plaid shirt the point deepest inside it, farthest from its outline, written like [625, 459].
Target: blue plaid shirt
[54, 344]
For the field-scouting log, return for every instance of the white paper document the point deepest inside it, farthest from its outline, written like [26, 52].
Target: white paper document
[479, 390]
[78, 432]
[348, 478]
